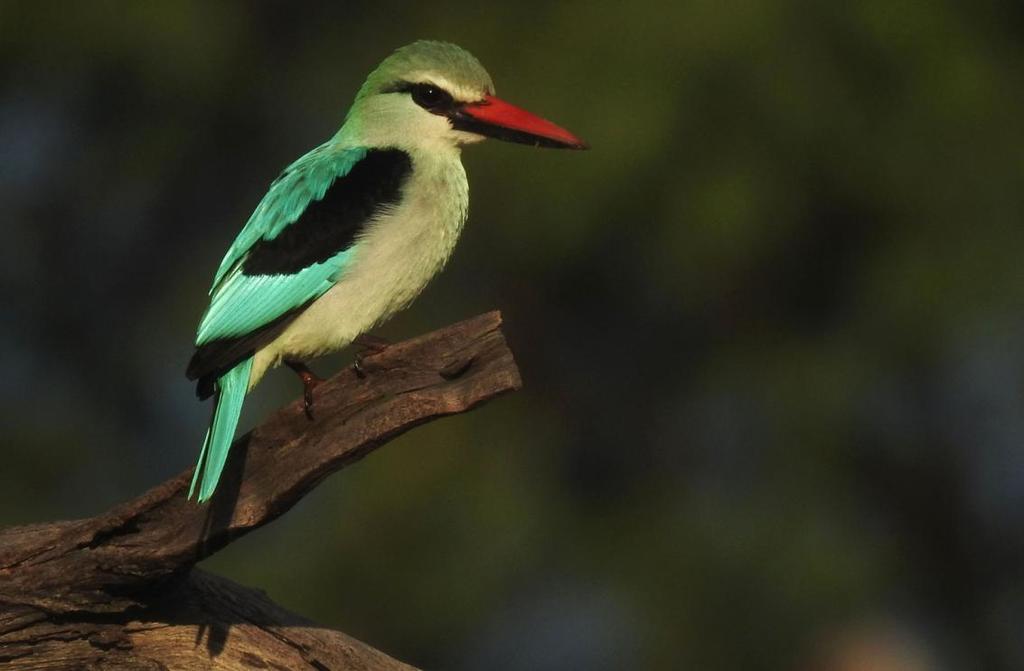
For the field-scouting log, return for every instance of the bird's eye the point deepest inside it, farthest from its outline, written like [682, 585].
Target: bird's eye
[431, 97]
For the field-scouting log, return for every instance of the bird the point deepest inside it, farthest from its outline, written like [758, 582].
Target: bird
[351, 232]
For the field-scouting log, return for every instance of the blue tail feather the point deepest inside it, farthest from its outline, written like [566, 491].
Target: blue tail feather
[231, 389]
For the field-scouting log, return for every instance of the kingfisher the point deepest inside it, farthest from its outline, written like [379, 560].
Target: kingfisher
[351, 232]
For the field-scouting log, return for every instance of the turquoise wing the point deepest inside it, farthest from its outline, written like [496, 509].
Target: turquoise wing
[241, 303]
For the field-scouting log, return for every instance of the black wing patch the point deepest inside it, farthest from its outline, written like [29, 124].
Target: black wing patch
[326, 227]
[331, 224]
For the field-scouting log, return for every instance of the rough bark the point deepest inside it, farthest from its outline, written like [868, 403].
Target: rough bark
[119, 590]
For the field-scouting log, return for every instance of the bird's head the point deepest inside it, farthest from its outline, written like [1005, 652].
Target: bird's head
[435, 94]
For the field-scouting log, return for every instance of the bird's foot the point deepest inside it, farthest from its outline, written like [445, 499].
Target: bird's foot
[370, 344]
[310, 381]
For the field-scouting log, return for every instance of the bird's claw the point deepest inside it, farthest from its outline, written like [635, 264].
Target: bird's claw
[357, 367]
[371, 344]
[307, 400]
[310, 381]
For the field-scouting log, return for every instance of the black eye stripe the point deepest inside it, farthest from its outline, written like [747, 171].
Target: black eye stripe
[429, 96]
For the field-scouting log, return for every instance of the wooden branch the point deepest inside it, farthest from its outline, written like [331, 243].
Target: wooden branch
[119, 589]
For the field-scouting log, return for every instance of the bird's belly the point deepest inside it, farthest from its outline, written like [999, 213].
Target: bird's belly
[387, 273]
[351, 307]
[391, 264]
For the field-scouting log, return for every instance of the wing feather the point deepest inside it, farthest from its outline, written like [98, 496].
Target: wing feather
[297, 244]
[303, 182]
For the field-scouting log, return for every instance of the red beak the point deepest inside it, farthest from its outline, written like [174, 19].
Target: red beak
[493, 117]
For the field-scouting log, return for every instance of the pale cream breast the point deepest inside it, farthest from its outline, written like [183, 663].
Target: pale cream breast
[394, 259]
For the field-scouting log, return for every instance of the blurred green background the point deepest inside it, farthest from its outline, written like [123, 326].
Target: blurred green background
[770, 327]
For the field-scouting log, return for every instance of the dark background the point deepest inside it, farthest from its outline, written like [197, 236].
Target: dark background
[770, 326]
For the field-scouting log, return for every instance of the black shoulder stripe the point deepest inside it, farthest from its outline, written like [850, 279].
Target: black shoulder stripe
[331, 224]
[213, 359]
